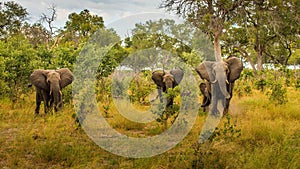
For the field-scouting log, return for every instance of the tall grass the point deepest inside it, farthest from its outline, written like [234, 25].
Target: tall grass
[269, 138]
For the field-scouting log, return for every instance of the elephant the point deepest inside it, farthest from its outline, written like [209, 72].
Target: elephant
[48, 84]
[165, 81]
[220, 77]
[205, 90]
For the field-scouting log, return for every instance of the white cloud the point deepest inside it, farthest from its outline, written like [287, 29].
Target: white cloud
[111, 10]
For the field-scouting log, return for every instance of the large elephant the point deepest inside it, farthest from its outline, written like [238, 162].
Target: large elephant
[48, 84]
[165, 81]
[220, 78]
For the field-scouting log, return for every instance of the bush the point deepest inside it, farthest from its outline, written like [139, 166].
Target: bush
[278, 94]
[17, 59]
[260, 84]
[140, 87]
[169, 113]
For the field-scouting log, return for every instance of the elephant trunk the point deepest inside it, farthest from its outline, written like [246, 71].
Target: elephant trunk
[169, 85]
[56, 95]
[219, 91]
[221, 78]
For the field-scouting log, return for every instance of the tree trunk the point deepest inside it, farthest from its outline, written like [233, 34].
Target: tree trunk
[259, 52]
[217, 47]
[259, 48]
[246, 55]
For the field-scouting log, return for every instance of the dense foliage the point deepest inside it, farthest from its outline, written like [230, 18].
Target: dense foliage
[262, 130]
[25, 47]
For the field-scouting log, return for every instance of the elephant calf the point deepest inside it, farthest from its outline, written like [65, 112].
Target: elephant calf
[165, 80]
[48, 84]
[220, 78]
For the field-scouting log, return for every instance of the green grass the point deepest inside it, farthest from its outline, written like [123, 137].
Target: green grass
[269, 138]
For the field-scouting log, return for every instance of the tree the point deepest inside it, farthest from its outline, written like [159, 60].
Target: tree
[162, 40]
[283, 25]
[265, 32]
[37, 34]
[50, 19]
[19, 59]
[12, 17]
[84, 24]
[295, 58]
[212, 17]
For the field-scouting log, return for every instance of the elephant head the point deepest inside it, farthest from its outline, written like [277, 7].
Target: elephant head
[50, 83]
[169, 81]
[165, 81]
[221, 76]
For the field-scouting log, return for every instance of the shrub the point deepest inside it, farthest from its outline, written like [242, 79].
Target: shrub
[140, 87]
[278, 95]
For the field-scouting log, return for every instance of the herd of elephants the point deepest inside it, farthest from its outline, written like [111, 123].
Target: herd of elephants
[49, 83]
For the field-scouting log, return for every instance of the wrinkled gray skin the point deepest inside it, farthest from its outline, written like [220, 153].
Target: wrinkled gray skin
[165, 80]
[220, 78]
[48, 84]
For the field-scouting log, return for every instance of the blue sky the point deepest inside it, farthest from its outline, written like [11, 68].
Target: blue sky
[111, 10]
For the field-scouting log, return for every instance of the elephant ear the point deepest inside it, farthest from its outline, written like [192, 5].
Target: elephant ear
[157, 77]
[177, 74]
[235, 67]
[38, 79]
[66, 77]
[205, 70]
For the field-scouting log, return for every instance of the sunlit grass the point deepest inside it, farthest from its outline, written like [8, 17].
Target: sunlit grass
[270, 138]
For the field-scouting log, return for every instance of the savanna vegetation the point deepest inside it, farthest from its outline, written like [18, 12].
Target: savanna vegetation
[262, 129]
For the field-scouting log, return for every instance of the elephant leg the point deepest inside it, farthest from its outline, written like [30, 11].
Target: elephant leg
[51, 105]
[159, 91]
[205, 101]
[46, 99]
[51, 102]
[227, 102]
[206, 95]
[170, 102]
[57, 107]
[38, 103]
[46, 107]
[206, 109]
[226, 108]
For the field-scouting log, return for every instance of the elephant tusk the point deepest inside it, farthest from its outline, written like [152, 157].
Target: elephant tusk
[227, 81]
[227, 96]
[214, 81]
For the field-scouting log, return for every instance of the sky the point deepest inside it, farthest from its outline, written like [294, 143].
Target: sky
[122, 14]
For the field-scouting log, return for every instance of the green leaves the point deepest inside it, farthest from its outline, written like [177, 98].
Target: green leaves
[17, 62]
[12, 16]
[278, 94]
[84, 23]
